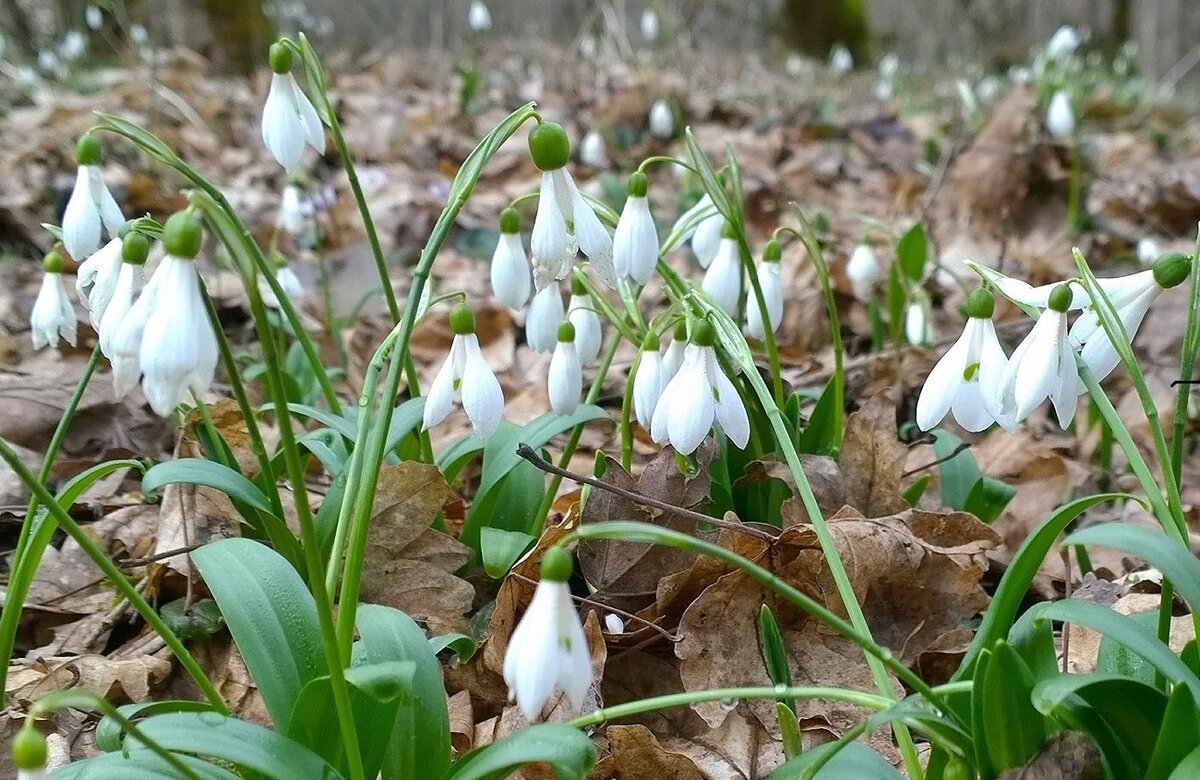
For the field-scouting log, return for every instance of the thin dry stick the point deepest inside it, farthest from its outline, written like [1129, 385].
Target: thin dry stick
[526, 452]
[954, 454]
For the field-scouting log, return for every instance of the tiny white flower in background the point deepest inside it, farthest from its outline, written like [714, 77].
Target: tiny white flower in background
[840, 60]
[673, 358]
[649, 379]
[288, 280]
[138, 34]
[131, 278]
[559, 203]
[1147, 250]
[93, 16]
[988, 89]
[292, 217]
[613, 624]
[705, 235]
[588, 335]
[698, 398]
[967, 101]
[1060, 117]
[91, 205]
[511, 282]
[772, 290]
[863, 271]
[1042, 366]
[662, 120]
[650, 26]
[547, 651]
[889, 66]
[96, 278]
[723, 279]
[564, 383]
[1063, 43]
[73, 45]
[963, 380]
[635, 243]
[917, 329]
[592, 151]
[167, 337]
[48, 61]
[795, 65]
[479, 18]
[52, 315]
[289, 120]
[546, 313]
[1019, 74]
[466, 375]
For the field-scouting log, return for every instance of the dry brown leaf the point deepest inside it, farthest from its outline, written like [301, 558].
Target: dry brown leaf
[1084, 646]
[116, 680]
[872, 459]
[634, 754]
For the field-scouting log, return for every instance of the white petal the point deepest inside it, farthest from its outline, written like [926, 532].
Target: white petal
[439, 398]
[1065, 392]
[705, 204]
[772, 290]
[688, 403]
[992, 366]
[1037, 369]
[564, 384]
[550, 240]
[635, 244]
[592, 237]
[969, 409]
[545, 315]
[52, 315]
[946, 380]
[81, 218]
[728, 410]
[1022, 292]
[547, 652]
[673, 359]
[510, 272]
[482, 398]
[588, 334]
[283, 130]
[863, 271]
[723, 280]
[314, 133]
[647, 386]
[110, 213]
[127, 341]
[574, 665]
[1099, 353]
[178, 346]
[97, 275]
[706, 241]
[130, 280]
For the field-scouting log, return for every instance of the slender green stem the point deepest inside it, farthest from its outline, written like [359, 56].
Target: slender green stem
[769, 343]
[114, 575]
[601, 305]
[626, 410]
[859, 699]
[1187, 366]
[662, 158]
[24, 563]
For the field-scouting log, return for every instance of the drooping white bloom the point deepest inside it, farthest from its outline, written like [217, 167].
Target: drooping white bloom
[479, 18]
[772, 290]
[96, 279]
[650, 26]
[841, 61]
[662, 120]
[592, 151]
[93, 16]
[796, 66]
[917, 329]
[963, 380]
[1063, 43]
[1060, 117]
[863, 271]
[649, 379]
[511, 282]
[723, 279]
[73, 45]
[467, 376]
[1147, 250]
[560, 202]
[288, 281]
[698, 398]
[635, 243]
[673, 358]
[131, 278]
[564, 383]
[1041, 367]
[91, 205]
[885, 88]
[705, 234]
[292, 213]
[588, 333]
[52, 315]
[545, 315]
[547, 651]
[289, 120]
[49, 61]
[968, 103]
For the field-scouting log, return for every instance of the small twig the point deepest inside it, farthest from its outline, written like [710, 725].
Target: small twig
[135, 562]
[526, 452]
[608, 608]
[963, 445]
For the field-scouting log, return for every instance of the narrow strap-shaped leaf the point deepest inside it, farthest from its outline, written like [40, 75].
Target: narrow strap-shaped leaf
[197, 471]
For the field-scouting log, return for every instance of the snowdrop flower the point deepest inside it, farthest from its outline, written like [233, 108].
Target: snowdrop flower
[795, 66]
[588, 336]
[673, 358]
[841, 61]
[138, 34]
[650, 26]
[289, 119]
[465, 374]
[287, 279]
[73, 45]
[131, 278]
[564, 384]
[613, 624]
[1060, 117]
[1147, 250]
[917, 329]
[772, 291]
[48, 61]
[479, 18]
[166, 337]
[885, 88]
[547, 651]
[705, 235]
[863, 271]
[29, 753]
[698, 398]
[565, 221]
[52, 315]
[592, 151]
[963, 380]
[1042, 366]
[635, 244]
[93, 16]
[511, 284]
[545, 315]
[1063, 43]
[1132, 297]
[723, 279]
[292, 211]
[91, 205]
[967, 102]
[649, 379]
[96, 277]
[662, 120]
